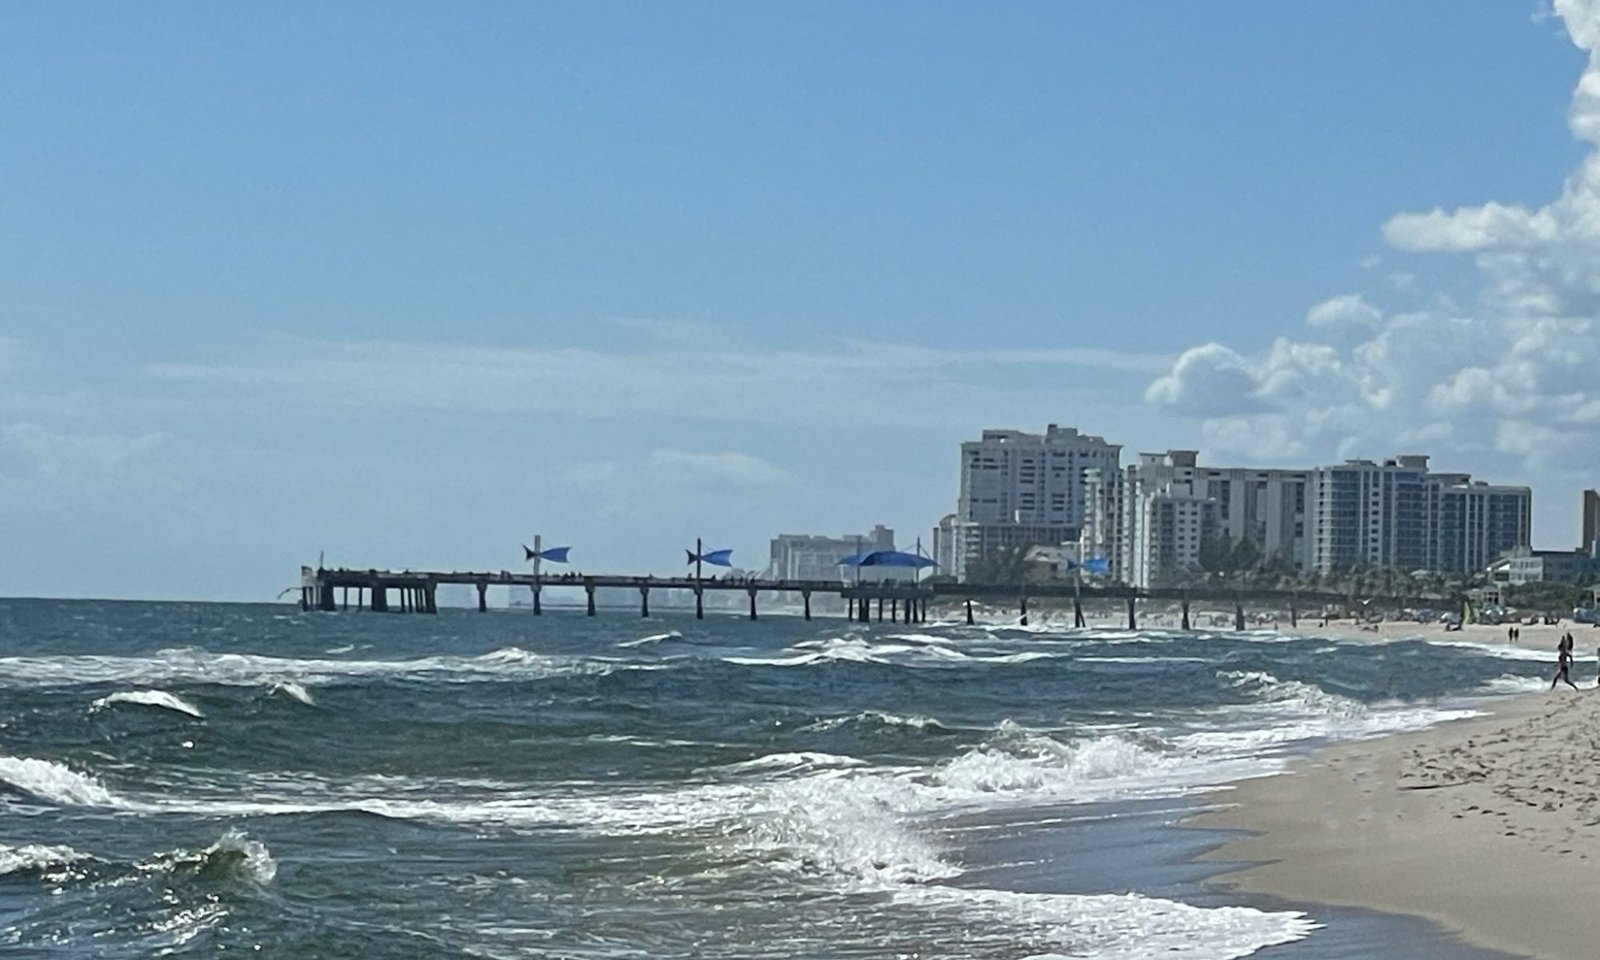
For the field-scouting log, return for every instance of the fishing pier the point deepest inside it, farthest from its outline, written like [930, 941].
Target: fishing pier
[410, 591]
[898, 601]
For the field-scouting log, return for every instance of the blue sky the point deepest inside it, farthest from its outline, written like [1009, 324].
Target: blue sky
[408, 283]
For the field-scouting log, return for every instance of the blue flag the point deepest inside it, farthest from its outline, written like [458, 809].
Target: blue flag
[717, 558]
[1097, 565]
[553, 554]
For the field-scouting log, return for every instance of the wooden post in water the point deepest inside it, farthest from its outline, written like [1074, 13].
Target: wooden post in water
[1294, 612]
[1024, 602]
[588, 589]
[1238, 615]
[537, 609]
[1133, 620]
[805, 595]
[380, 598]
[894, 610]
[483, 596]
[970, 621]
[699, 602]
[644, 601]
[880, 609]
[752, 592]
[1185, 611]
[431, 597]
[1077, 613]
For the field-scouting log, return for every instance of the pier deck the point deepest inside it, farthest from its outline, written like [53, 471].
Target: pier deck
[907, 602]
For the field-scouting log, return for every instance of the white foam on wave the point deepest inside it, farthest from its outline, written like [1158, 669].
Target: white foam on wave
[294, 691]
[652, 639]
[54, 782]
[1512, 683]
[875, 718]
[149, 698]
[38, 858]
[794, 762]
[1298, 712]
[197, 665]
[234, 856]
[1120, 926]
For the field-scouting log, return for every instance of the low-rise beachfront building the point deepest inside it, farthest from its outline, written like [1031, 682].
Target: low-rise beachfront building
[797, 556]
[1544, 566]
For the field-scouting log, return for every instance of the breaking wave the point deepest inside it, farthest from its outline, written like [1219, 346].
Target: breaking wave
[53, 782]
[197, 665]
[149, 698]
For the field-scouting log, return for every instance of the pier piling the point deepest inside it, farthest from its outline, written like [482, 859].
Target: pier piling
[1133, 619]
[644, 602]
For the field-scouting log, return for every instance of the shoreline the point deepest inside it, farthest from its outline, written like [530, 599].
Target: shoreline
[1487, 826]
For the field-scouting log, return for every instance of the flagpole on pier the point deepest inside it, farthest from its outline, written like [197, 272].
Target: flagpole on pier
[538, 547]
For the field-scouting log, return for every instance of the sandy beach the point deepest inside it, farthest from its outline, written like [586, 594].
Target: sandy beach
[1488, 826]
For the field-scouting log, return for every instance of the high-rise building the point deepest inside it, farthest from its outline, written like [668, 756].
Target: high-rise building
[1023, 489]
[1591, 523]
[1167, 518]
[1151, 522]
[1396, 514]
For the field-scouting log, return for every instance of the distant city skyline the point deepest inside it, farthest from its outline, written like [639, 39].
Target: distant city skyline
[409, 285]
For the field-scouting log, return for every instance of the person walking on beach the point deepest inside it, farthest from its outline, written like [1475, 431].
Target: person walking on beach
[1563, 663]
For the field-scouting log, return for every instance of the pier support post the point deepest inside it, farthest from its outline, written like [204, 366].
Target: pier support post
[1238, 616]
[344, 598]
[1133, 619]
[537, 609]
[644, 601]
[588, 589]
[805, 595]
[1024, 620]
[752, 593]
[380, 598]
[359, 598]
[1294, 611]
[305, 599]
[483, 597]
[405, 599]
[880, 609]
[430, 596]
[850, 608]
[864, 609]
[1185, 622]
[894, 610]
[699, 603]
[970, 621]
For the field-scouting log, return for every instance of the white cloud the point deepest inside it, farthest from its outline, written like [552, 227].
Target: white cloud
[1207, 381]
[1344, 312]
[851, 381]
[1513, 381]
[725, 468]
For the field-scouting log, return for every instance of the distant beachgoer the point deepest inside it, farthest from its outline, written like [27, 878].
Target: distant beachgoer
[1511, 635]
[1563, 663]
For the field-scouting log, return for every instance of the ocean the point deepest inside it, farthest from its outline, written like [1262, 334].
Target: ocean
[201, 780]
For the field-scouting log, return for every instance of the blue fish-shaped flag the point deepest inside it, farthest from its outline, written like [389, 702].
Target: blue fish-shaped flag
[553, 554]
[717, 558]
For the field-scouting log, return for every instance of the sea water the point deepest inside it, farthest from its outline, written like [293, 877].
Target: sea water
[194, 780]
